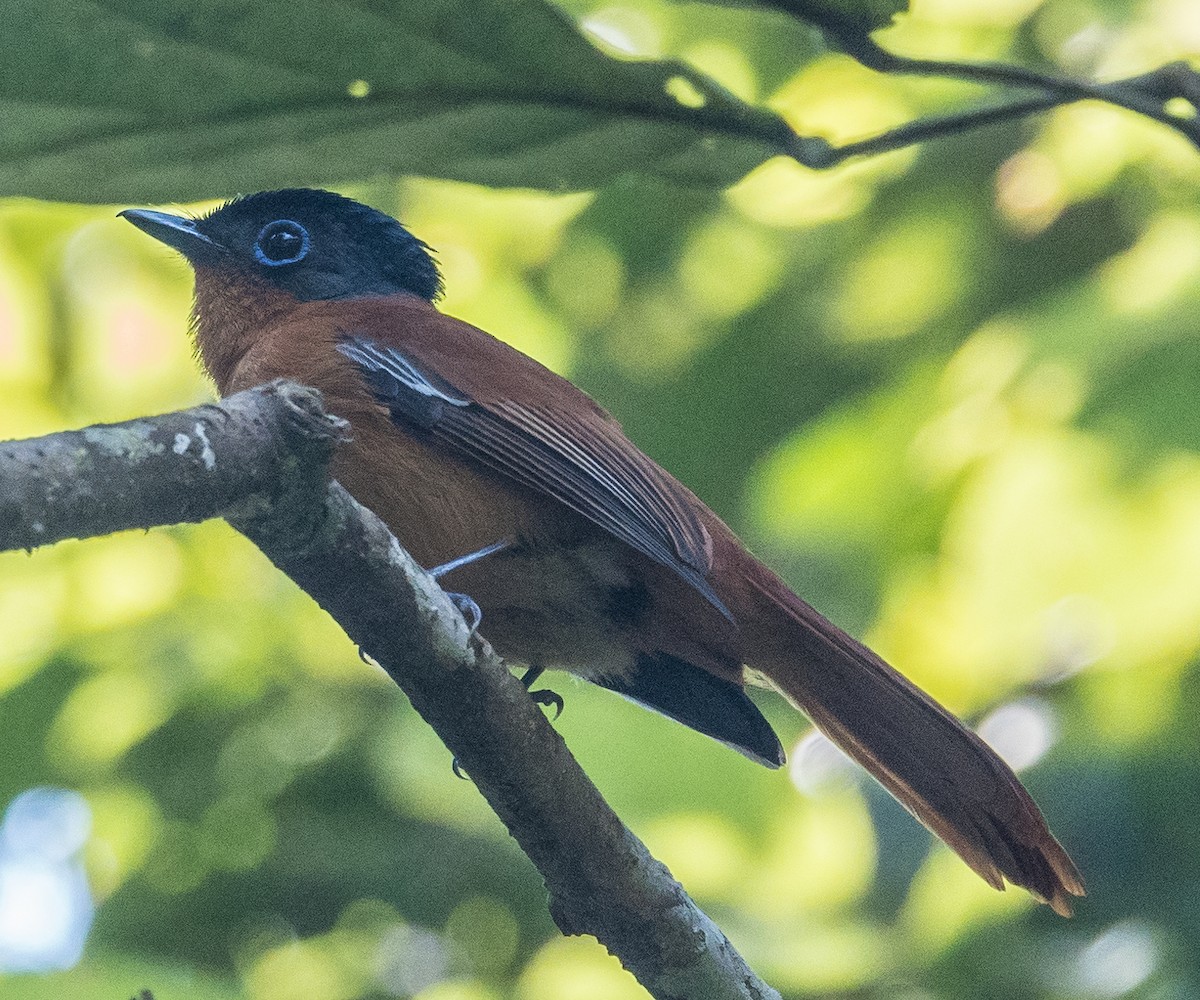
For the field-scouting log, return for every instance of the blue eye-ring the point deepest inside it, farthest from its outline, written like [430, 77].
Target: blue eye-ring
[281, 242]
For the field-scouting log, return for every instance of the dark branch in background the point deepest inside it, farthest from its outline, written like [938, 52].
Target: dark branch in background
[259, 459]
[1150, 94]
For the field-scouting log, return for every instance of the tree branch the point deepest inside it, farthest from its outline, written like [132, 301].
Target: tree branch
[1148, 94]
[239, 457]
[259, 459]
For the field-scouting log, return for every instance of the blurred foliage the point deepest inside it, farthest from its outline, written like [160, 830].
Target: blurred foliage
[948, 393]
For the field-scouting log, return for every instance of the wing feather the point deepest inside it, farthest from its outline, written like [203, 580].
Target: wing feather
[582, 460]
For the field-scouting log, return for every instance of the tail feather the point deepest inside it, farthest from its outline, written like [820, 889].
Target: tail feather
[939, 770]
[709, 704]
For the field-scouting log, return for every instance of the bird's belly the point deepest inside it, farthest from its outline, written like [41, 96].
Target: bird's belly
[570, 607]
[563, 595]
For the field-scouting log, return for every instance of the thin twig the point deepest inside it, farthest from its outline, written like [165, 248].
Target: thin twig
[1147, 94]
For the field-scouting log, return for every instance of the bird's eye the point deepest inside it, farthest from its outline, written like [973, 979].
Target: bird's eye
[281, 242]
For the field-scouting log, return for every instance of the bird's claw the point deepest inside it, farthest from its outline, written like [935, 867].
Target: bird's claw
[466, 606]
[543, 696]
[549, 699]
[468, 609]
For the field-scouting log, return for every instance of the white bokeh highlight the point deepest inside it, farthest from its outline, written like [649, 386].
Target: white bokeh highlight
[46, 906]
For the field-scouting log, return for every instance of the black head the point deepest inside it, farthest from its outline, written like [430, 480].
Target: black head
[312, 244]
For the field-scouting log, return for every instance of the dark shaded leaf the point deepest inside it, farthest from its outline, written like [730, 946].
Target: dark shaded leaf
[124, 100]
[858, 16]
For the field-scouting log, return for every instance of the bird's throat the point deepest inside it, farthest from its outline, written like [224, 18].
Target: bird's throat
[228, 317]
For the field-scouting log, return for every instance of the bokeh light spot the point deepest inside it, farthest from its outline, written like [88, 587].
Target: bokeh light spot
[1029, 192]
[1164, 262]
[821, 856]
[816, 766]
[105, 715]
[299, 970]
[1117, 961]
[1021, 732]
[703, 850]
[45, 903]
[468, 989]
[408, 959]
[685, 92]
[907, 278]
[727, 267]
[576, 969]
[624, 31]
[726, 64]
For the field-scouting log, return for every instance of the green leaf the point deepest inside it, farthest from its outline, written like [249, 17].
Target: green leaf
[155, 100]
[870, 15]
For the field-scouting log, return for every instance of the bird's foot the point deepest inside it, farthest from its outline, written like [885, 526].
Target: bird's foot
[549, 699]
[470, 557]
[468, 609]
[543, 696]
[465, 604]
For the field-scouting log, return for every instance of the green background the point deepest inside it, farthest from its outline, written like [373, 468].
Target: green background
[948, 392]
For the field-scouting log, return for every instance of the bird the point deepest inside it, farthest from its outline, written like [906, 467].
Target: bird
[577, 551]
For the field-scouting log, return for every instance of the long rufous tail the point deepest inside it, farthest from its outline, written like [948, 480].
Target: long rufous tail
[939, 770]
